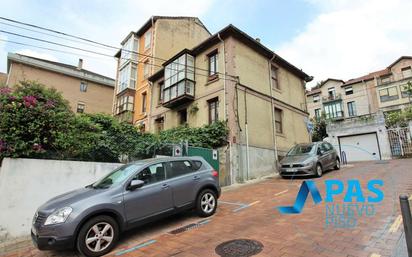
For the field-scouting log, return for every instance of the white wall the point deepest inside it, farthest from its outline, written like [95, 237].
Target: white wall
[25, 184]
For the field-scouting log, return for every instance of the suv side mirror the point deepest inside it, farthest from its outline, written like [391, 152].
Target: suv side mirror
[135, 184]
[320, 152]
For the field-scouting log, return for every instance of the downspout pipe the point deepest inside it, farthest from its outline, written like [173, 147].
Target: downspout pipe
[272, 108]
[225, 108]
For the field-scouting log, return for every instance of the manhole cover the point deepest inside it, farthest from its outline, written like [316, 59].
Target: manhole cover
[239, 248]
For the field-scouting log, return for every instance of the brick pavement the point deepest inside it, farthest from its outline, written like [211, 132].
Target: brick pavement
[282, 235]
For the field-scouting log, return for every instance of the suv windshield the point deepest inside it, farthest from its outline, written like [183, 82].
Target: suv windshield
[302, 149]
[117, 176]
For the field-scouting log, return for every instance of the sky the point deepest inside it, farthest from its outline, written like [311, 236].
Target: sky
[340, 39]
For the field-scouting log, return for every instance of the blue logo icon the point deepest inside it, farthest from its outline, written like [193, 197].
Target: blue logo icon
[306, 188]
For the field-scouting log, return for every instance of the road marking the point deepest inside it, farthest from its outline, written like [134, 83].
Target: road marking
[136, 247]
[395, 225]
[410, 197]
[284, 191]
[238, 204]
[245, 206]
[375, 255]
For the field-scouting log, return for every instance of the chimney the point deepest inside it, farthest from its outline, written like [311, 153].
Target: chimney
[80, 65]
[258, 40]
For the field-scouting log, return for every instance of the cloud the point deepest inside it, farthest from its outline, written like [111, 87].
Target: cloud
[351, 38]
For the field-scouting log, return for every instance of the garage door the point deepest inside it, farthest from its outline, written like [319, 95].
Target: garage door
[363, 147]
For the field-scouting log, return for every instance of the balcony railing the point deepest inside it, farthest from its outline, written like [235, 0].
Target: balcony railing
[331, 97]
[335, 115]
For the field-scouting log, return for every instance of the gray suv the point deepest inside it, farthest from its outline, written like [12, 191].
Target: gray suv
[92, 218]
[309, 159]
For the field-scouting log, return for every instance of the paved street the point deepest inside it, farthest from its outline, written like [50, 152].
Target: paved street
[249, 212]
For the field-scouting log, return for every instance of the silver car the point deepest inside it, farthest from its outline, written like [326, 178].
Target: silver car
[92, 218]
[309, 159]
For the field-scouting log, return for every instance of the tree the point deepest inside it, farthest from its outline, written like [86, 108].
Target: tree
[319, 129]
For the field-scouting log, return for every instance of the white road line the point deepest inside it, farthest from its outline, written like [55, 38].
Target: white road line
[395, 225]
[282, 192]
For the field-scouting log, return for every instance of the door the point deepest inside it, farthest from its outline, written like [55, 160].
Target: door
[154, 197]
[323, 156]
[183, 181]
[364, 147]
[331, 156]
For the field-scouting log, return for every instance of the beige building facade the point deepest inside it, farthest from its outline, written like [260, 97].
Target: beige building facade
[86, 91]
[233, 77]
[142, 54]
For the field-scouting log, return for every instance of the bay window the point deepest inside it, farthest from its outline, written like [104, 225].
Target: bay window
[129, 50]
[333, 110]
[127, 77]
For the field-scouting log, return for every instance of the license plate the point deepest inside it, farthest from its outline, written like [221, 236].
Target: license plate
[291, 170]
[33, 230]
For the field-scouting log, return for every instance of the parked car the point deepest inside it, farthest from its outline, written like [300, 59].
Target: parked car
[92, 218]
[309, 159]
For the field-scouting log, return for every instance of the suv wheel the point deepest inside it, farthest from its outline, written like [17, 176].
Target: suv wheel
[319, 170]
[337, 164]
[97, 236]
[206, 203]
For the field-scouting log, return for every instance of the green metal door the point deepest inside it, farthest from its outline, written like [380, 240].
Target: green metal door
[210, 155]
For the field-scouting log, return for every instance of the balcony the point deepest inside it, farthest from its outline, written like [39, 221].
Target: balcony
[179, 85]
[331, 97]
[338, 115]
[179, 94]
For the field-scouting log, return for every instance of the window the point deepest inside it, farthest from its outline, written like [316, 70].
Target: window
[182, 116]
[152, 174]
[178, 168]
[406, 91]
[129, 50]
[388, 94]
[331, 93]
[349, 90]
[159, 124]
[333, 110]
[147, 39]
[83, 86]
[316, 98]
[146, 69]
[351, 109]
[407, 72]
[124, 103]
[80, 107]
[197, 165]
[161, 87]
[212, 63]
[213, 105]
[274, 75]
[144, 96]
[317, 114]
[385, 79]
[278, 120]
[127, 77]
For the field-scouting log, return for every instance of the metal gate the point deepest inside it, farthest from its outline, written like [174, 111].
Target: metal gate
[400, 140]
[210, 155]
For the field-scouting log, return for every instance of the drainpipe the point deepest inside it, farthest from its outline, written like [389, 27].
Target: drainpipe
[272, 109]
[149, 114]
[247, 140]
[224, 105]
[8, 75]
[368, 94]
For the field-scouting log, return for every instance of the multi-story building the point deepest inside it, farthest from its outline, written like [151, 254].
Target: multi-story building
[142, 54]
[86, 91]
[338, 100]
[385, 90]
[233, 77]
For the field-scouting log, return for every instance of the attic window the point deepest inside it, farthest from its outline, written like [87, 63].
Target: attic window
[316, 98]
[349, 90]
[407, 72]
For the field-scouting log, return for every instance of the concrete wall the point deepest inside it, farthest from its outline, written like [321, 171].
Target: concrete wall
[97, 98]
[25, 184]
[361, 126]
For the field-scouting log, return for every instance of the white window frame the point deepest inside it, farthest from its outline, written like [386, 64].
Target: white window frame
[147, 39]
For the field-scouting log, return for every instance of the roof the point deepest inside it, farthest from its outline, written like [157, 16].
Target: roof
[231, 30]
[62, 68]
[313, 91]
[400, 58]
[367, 77]
[316, 89]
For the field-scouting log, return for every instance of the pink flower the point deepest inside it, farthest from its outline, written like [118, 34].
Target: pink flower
[49, 104]
[5, 90]
[29, 101]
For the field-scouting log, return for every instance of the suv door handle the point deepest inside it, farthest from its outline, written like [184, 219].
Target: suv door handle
[196, 177]
[165, 186]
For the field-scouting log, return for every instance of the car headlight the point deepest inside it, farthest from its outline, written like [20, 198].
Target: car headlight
[307, 163]
[58, 216]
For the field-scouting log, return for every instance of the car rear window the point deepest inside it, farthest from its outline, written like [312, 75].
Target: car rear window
[197, 165]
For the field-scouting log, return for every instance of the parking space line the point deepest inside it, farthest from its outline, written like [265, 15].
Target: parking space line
[282, 192]
[245, 206]
[238, 204]
[375, 255]
[395, 225]
[137, 247]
